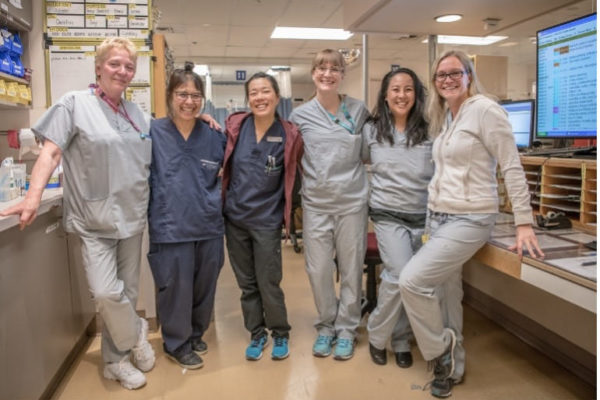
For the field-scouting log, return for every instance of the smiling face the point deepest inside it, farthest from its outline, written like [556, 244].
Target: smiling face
[400, 96]
[262, 98]
[327, 77]
[454, 87]
[186, 101]
[115, 72]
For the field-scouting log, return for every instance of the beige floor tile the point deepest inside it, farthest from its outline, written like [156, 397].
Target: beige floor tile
[499, 366]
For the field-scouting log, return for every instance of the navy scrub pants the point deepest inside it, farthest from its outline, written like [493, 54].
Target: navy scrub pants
[255, 257]
[185, 275]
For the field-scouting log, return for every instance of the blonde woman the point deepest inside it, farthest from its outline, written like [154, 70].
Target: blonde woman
[105, 148]
[472, 136]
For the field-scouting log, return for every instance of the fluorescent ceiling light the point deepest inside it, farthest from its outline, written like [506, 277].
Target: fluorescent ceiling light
[288, 32]
[472, 40]
[448, 18]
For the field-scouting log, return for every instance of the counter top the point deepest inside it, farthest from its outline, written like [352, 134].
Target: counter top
[566, 255]
[50, 198]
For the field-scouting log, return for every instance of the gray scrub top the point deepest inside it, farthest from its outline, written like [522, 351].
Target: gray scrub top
[334, 179]
[399, 175]
[105, 161]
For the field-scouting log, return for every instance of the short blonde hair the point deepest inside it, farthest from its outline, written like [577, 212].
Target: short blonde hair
[328, 56]
[115, 43]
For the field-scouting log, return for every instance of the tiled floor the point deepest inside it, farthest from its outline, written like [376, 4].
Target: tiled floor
[499, 366]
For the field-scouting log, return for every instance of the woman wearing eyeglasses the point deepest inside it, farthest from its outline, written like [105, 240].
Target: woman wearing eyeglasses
[185, 221]
[472, 137]
[334, 201]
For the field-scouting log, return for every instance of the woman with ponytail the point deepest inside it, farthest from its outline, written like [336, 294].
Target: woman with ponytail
[185, 221]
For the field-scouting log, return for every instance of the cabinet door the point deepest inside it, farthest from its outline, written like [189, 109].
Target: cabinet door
[19, 11]
[36, 328]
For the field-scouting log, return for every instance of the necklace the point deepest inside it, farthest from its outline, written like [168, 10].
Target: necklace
[349, 125]
[115, 107]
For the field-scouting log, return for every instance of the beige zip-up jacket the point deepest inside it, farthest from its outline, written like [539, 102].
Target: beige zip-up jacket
[466, 154]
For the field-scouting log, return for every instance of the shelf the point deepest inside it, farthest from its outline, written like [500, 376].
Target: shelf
[13, 78]
[8, 105]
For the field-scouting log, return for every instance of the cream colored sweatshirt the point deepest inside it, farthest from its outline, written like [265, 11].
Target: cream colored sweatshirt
[466, 155]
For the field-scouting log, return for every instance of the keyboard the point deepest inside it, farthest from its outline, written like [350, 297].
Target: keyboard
[589, 150]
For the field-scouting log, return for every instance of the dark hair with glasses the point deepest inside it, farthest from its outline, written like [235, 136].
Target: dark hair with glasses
[179, 77]
[383, 119]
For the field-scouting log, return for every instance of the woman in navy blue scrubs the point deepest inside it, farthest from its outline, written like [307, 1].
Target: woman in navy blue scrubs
[185, 219]
[259, 170]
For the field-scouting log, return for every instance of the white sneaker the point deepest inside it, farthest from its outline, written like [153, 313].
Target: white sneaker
[129, 376]
[143, 354]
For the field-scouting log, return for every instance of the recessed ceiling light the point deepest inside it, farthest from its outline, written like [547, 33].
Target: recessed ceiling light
[508, 44]
[288, 32]
[448, 18]
[472, 40]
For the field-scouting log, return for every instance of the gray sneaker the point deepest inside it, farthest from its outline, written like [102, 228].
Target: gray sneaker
[189, 360]
[443, 367]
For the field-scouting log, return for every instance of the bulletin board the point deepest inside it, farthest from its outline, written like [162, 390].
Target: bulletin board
[81, 20]
[71, 67]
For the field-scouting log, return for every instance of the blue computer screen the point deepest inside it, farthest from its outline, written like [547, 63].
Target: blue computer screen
[521, 117]
[566, 80]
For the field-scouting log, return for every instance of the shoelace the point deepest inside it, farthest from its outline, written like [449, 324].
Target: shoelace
[344, 343]
[260, 342]
[323, 339]
[280, 341]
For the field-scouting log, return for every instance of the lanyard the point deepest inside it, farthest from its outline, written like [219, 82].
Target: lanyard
[115, 107]
[350, 126]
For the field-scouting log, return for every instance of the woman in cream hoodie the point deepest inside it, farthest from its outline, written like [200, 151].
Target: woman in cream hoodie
[472, 136]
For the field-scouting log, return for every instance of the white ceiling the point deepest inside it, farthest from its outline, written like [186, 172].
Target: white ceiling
[228, 33]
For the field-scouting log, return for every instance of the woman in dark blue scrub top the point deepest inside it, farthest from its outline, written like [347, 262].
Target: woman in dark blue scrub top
[259, 170]
[185, 219]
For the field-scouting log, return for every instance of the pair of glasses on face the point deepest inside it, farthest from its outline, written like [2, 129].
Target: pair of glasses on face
[332, 70]
[454, 75]
[183, 96]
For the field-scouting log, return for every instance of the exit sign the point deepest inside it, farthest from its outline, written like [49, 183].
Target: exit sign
[240, 75]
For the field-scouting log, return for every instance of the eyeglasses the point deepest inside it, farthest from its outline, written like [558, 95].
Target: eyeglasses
[332, 70]
[183, 96]
[454, 75]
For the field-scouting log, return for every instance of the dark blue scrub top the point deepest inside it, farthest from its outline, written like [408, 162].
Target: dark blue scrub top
[185, 197]
[255, 197]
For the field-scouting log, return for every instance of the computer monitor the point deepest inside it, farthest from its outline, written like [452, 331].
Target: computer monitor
[566, 80]
[521, 114]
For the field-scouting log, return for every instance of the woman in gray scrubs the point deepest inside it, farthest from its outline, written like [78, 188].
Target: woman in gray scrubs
[105, 149]
[396, 145]
[334, 201]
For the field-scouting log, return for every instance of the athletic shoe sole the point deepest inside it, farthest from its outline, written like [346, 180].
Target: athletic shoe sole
[191, 366]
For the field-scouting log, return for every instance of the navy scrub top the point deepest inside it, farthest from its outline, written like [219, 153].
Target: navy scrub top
[255, 197]
[185, 199]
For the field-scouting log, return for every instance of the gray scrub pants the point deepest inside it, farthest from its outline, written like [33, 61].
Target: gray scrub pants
[397, 243]
[436, 271]
[185, 274]
[255, 257]
[112, 268]
[329, 236]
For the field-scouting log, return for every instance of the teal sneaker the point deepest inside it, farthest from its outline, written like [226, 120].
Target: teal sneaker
[280, 348]
[322, 346]
[344, 349]
[255, 349]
